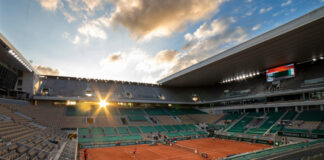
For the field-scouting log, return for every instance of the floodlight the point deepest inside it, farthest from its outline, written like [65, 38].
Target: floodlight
[103, 103]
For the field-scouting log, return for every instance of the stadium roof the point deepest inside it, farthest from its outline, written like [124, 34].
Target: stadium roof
[299, 40]
[10, 55]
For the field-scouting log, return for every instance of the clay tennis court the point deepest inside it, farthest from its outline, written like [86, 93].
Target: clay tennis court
[213, 147]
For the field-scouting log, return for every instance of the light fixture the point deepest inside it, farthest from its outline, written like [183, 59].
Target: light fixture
[321, 58]
[195, 98]
[103, 103]
[314, 59]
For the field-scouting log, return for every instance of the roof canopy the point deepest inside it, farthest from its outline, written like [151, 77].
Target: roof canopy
[296, 41]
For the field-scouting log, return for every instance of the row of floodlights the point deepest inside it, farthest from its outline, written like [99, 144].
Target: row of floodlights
[19, 59]
[321, 58]
[241, 77]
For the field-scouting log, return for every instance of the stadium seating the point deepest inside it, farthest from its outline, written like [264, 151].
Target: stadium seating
[290, 115]
[133, 130]
[311, 116]
[169, 128]
[97, 131]
[178, 127]
[240, 126]
[275, 129]
[109, 131]
[160, 128]
[262, 153]
[122, 130]
[129, 111]
[295, 130]
[136, 118]
[317, 131]
[147, 129]
[156, 111]
[83, 131]
[272, 118]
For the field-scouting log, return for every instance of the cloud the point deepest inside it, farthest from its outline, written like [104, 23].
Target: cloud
[250, 12]
[51, 5]
[264, 10]
[138, 64]
[232, 19]
[92, 4]
[115, 57]
[166, 56]
[201, 49]
[288, 2]
[146, 19]
[74, 40]
[45, 70]
[68, 16]
[92, 29]
[256, 27]
[207, 30]
[249, 0]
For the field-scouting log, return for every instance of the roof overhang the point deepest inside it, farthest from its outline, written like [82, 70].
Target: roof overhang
[296, 41]
[9, 54]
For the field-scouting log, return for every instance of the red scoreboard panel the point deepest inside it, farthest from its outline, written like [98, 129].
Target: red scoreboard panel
[282, 72]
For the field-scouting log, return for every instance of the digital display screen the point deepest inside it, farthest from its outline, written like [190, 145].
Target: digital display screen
[282, 72]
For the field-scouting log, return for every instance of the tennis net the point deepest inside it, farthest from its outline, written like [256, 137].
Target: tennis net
[189, 149]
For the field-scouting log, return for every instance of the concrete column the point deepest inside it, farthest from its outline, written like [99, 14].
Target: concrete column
[321, 108]
[296, 108]
[257, 110]
[276, 109]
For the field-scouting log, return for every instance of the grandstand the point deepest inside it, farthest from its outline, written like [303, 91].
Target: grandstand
[277, 102]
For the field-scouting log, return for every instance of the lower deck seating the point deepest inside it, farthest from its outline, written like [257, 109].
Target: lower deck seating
[122, 130]
[133, 130]
[275, 129]
[147, 129]
[311, 116]
[109, 131]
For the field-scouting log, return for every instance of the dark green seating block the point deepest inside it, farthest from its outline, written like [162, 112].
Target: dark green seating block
[110, 131]
[122, 130]
[133, 130]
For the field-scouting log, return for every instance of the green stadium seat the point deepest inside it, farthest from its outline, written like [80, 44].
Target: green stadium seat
[136, 118]
[131, 111]
[147, 129]
[83, 131]
[178, 127]
[174, 134]
[84, 140]
[110, 131]
[289, 116]
[156, 111]
[317, 131]
[160, 128]
[97, 131]
[133, 130]
[169, 128]
[275, 129]
[295, 130]
[122, 130]
[311, 116]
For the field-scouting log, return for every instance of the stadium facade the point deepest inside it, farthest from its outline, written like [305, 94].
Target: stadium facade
[269, 86]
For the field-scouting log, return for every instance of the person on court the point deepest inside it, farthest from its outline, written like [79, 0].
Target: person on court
[134, 151]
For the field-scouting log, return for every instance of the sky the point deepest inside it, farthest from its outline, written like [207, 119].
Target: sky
[136, 40]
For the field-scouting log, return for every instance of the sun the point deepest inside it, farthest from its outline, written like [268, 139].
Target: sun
[103, 103]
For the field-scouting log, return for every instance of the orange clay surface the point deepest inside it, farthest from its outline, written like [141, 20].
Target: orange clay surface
[213, 147]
